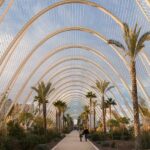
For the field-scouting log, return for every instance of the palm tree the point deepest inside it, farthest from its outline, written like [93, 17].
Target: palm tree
[39, 101]
[134, 44]
[43, 91]
[94, 119]
[145, 114]
[63, 109]
[57, 104]
[61, 106]
[103, 87]
[85, 115]
[110, 102]
[90, 95]
[25, 117]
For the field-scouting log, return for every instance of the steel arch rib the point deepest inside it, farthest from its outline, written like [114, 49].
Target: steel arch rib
[101, 70]
[69, 87]
[65, 83]
[11, 82]
[16, 74]
[78, 59]
[82, 47]
[18, 37]
[78, 93]
[61, 90]
[22, 32]
[6, 10]
[92, 73]
[71, 95]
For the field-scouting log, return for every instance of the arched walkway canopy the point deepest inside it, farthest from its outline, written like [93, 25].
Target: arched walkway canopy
[65, 42]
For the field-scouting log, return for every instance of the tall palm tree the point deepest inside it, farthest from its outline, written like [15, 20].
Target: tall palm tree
[90, 95]
[57, 104]
[111, 102]
[103, 87]
[43, 91]
[94, 109]
[39, 101]
[85, 115]
[134, 44]
[63, 109]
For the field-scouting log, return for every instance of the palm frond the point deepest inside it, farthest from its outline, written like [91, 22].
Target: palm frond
[140, 44]
[109, 88]
[116, 43]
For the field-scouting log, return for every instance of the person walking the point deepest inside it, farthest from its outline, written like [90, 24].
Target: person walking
[86, 133]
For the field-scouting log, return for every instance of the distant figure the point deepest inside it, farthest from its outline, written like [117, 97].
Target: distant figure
[80, 135]
[85, 133]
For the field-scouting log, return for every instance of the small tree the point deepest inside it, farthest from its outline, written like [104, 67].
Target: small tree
[90, 95]
[103, 87]
[43, 91]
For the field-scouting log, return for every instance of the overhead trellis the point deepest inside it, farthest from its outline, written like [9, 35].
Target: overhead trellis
[66, 42]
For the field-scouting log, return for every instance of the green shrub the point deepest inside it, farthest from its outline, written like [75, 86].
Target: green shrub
[30, 141]
[121, 134]
[10, 143]
[15, 130]
[42, 147]
[145, 139]
[105, 144]
[97, 136]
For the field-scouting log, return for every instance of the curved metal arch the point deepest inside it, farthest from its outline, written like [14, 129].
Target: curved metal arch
[71, 95]
[78, 93]
[16, 74]
[92, 73]
[14, 78]
[60, 91]
[93, 64]
[142, 10]
[121, 109]
[78, 46]
[69, 90]
[6, 10]
[85, 61]
[22, 32]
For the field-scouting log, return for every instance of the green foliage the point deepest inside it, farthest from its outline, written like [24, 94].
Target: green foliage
[29, 141]
[124, 120]
[42, 147]
[145, 139]
[15, 130]
[121, 134]
[112, 123]
[97, 136]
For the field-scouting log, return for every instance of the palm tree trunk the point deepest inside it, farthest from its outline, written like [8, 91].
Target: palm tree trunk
[56, 120]
[44, 117]
[39, 107]
[90, 111]
[94, 119]
[110, 110]
[135, 105]
[103, 115]
[63, 122]
[59, 124]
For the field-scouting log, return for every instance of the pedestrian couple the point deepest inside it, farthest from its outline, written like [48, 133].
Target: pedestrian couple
[84, 132]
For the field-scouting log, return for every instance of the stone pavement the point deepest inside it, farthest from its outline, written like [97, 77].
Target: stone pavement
[72, 142]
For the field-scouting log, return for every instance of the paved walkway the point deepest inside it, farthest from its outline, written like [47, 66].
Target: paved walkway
[72, 142]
